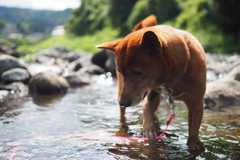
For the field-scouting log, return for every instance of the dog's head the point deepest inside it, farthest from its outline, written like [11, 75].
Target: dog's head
[139, 57]
[145, 62]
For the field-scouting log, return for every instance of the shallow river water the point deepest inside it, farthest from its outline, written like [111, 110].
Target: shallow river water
[81, 125]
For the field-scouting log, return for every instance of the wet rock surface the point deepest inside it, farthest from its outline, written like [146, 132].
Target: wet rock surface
[47, 83]
[52, 70]
[15, 75]
[222, 93]
[223, 87]
[106, 60]
[9, 62]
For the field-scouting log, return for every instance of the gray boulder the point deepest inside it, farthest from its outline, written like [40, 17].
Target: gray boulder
[234, 74]
[8, 62]
[75, 80]
[222, 64]
[100, 58]
[222, 92]
[48, 83]
[106, 60]
[15, 87]
[15, 75]
[49, 53]
[110, 65]
[85, 60]
[3, 47]
[70, 56]
[225, 91]
[75, 65]
[38, 68]
[92, 70]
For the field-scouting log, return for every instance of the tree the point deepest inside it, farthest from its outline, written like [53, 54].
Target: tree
[165, 10]
[24, 28]
[119, 13]
[226, 14]
[2, 24]
[214, 22]
[88, 18]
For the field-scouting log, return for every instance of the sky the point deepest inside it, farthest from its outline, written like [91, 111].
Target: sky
[41, 4]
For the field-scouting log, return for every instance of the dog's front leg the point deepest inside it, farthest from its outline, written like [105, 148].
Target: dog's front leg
[150, 130]
[122, 117]
[122, 109]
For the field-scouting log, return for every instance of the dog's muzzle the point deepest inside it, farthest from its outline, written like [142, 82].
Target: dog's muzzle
[125, 103]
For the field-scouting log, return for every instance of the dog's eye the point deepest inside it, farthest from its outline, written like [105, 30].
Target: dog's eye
[137, 74]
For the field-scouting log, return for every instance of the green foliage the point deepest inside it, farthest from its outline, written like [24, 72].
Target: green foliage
[88, 18]
[86, 42]
[119, 13]
[2, 24]
[165, 10]
[18, 41]
[214, 22]
[28, 28]
[29, 21]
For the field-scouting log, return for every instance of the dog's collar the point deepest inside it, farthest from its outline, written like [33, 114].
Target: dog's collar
[169, 91]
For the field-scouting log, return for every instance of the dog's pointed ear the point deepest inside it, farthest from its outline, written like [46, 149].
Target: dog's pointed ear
[151, 43]
[147, 22]
[108, 45]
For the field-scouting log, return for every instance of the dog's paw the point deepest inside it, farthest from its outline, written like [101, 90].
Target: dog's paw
[194, 143]
[196, 150]
[150, 131]
[193, 147]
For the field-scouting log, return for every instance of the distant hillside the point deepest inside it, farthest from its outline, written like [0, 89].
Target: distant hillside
[28, 21]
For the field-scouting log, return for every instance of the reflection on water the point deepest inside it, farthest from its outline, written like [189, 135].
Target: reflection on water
[46, 100]
[67, 127]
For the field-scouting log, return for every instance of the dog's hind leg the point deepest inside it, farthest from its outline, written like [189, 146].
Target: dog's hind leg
[195, 114]
[150, 128]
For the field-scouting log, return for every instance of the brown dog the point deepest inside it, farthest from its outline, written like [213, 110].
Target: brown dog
[155, 57]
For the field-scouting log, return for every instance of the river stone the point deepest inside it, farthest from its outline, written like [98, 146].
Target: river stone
[100, 58]
[3, 47]
[86, 60]
[15, 87]
[75, 65]
[15, 75]
[49, 53]
[70, 56]
[221, 93]
[110, 65]
[35, 68]
[106, 60]
[234, 74]
[44, 59]
[48, 83]
[92, 69]
[13, 53]
[75, 80]
[9, 62]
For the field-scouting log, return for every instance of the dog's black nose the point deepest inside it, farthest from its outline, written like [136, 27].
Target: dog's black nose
[125, 103]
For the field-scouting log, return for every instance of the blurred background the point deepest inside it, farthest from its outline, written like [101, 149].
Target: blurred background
[81, 24]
